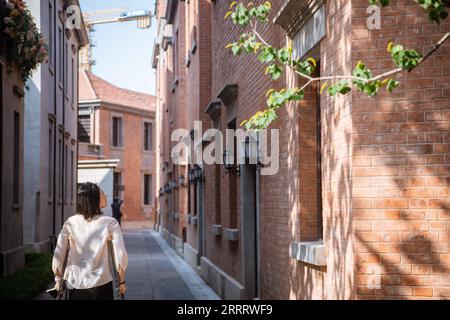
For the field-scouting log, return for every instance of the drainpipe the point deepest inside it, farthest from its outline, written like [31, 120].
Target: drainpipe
[258, 224]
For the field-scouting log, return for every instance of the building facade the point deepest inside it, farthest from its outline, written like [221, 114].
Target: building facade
[359, 208]
[50, 131]
[12, 93]
[119, 124]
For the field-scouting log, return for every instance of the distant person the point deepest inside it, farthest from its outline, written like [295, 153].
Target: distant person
[116, 213]
[87, 272]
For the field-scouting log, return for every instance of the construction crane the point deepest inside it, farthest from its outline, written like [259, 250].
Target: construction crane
[143, 18]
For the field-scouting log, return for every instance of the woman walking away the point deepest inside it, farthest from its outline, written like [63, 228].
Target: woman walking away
[88, 273]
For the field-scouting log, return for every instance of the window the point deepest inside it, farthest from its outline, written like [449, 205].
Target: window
[61, 56]
[65, 172]
[148, 136]
[50, 160]
[72, 174]
[218, 179]
[117, 184]
[310, 162]
[61, 158]
[117, 132]
[50, 34]
[66, 70]
[147, 189]
[176, 55]
[16, 155]
[84, 128]
[233, 204]
[73, 83]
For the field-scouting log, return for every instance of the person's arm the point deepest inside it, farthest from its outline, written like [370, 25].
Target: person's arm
[60, 253]
[121, 256]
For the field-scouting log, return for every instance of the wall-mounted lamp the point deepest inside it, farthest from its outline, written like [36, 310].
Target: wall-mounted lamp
[191, 175]
[181, 180]
[198, 172]
[229, 164]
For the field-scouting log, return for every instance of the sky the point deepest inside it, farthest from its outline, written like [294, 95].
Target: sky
[122, 51]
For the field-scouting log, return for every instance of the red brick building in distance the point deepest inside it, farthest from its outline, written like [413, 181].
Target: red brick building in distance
[360, 207]
[116, 123]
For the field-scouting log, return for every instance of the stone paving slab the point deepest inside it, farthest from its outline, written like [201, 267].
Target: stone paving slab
[156, 272]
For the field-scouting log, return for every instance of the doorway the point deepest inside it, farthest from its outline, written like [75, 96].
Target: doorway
[249, 183]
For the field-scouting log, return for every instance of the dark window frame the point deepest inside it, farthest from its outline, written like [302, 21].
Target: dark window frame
[147, 188]
[117, 132]
[148, 136]
[16, 159]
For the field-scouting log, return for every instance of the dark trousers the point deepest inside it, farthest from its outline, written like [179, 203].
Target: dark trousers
[104, 292]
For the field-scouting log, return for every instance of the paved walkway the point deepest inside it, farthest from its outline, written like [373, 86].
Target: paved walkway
[156, 272]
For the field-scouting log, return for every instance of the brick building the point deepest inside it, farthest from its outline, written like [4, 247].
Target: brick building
[360, 206]
[118, 124]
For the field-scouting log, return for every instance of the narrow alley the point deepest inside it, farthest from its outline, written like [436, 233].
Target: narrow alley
[247, 151]
[156, 272]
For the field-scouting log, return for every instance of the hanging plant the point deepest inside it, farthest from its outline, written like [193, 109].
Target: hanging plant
[24, 46]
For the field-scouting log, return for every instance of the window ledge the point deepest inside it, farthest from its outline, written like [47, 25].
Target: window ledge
[117, 148]
[231, 234]
[194, 220]
[309, 252]
[216, 229]
[15, 207]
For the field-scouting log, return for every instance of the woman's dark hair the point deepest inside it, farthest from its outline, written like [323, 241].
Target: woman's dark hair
[89, 200]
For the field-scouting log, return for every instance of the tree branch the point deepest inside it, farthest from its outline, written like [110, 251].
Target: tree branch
[349, 77]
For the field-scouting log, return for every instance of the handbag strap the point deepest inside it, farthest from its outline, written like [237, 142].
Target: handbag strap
[66, 258]
[114, 270]
[62, 290]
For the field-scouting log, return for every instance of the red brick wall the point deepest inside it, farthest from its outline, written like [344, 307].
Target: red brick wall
[401, 162]
[385, 161]
[198, 78]
[131, 158]
[248, 73]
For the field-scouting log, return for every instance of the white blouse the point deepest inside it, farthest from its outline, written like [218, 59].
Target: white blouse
[88, 264]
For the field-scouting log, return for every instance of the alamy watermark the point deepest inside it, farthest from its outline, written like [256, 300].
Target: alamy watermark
[238, 147]
[374, 19]
[73, 17]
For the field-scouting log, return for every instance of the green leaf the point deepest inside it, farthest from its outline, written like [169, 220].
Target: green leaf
[284, 56]
[392, 84]
[267, 55]
[341, 87]
[275, 71]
